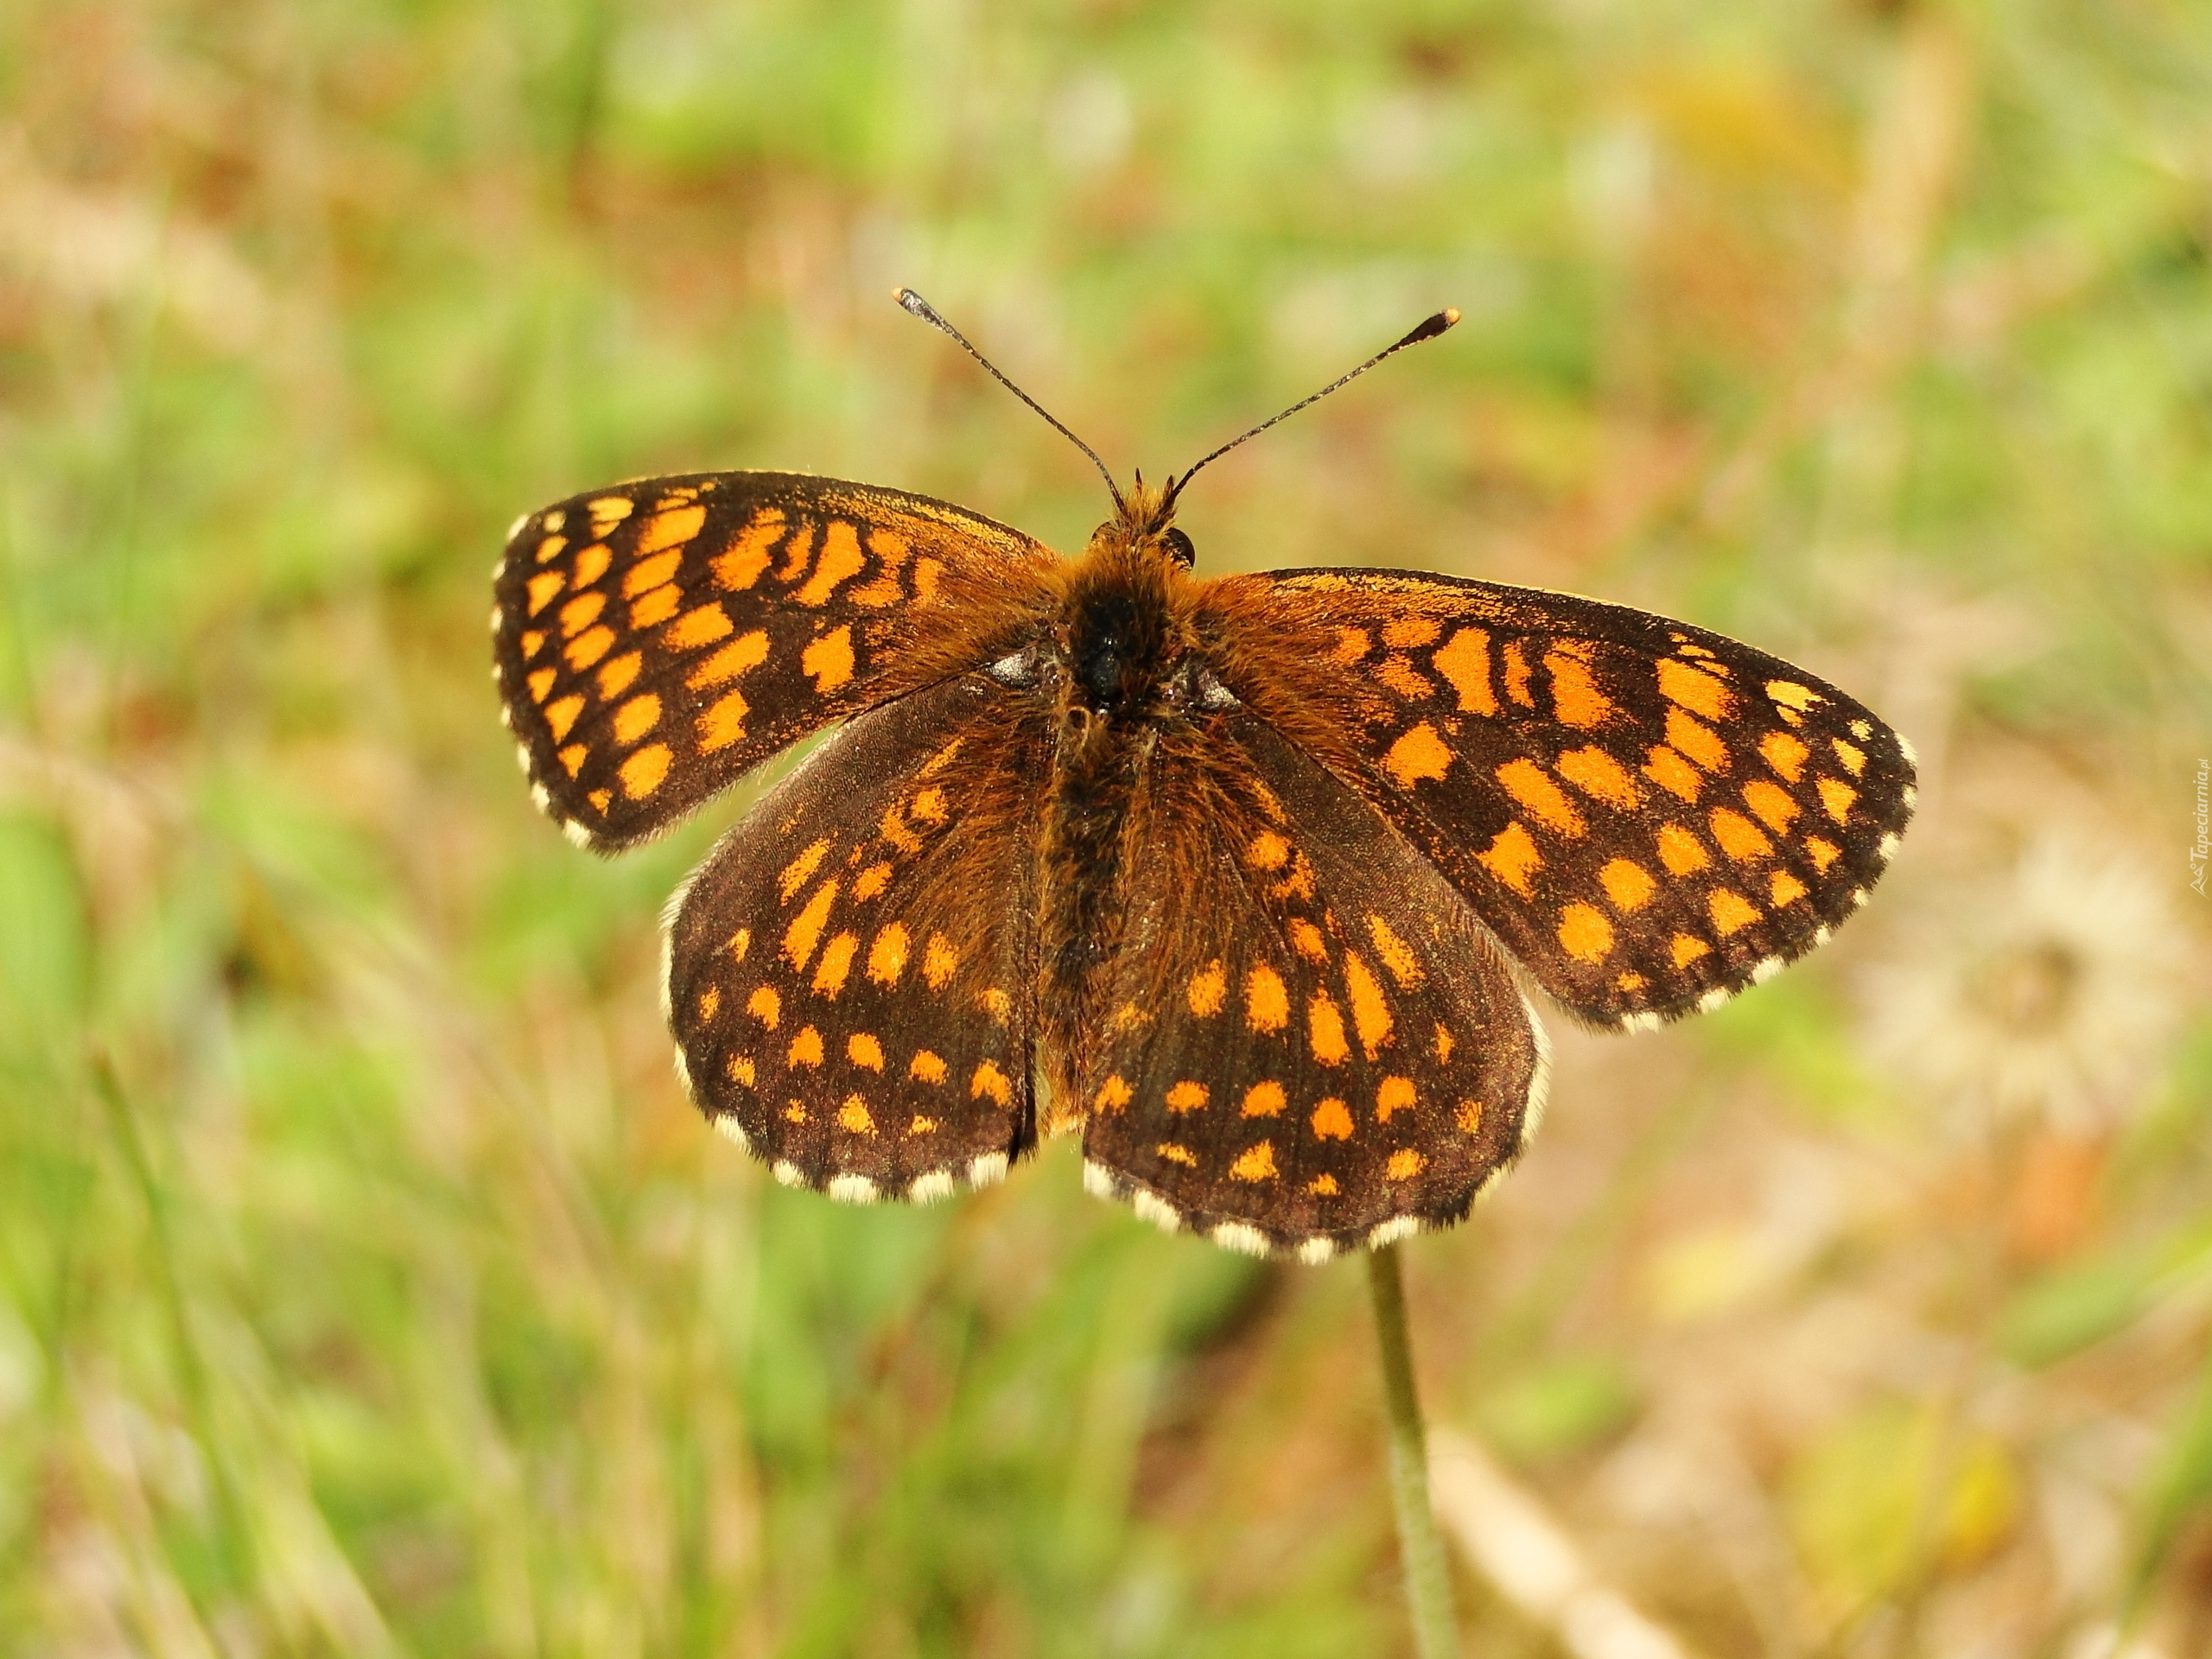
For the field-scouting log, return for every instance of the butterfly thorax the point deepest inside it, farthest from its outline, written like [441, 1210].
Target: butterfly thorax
[1122, 663]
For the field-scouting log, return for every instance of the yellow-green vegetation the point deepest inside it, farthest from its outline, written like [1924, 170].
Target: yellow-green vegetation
[367, 1288]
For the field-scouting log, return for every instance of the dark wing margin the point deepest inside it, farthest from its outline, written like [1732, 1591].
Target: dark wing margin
[653, 640]
[1652, 817]
[850, 973]
[1310, 1043]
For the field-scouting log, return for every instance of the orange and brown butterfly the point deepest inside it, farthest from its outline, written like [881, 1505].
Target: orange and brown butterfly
[1247, 879]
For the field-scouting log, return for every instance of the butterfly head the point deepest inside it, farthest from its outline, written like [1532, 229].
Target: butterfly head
[1144, 522]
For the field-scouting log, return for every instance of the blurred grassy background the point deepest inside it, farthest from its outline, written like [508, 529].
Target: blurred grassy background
[366, 1287]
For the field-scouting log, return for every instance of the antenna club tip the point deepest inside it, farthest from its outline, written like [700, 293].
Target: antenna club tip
[910, 300]
[1451, 314]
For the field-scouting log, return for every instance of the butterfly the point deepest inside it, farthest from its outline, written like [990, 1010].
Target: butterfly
[1247, 879]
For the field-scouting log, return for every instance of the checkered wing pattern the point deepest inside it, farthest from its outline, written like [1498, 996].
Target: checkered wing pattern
[1307, 1042]
[1650, 816]
[653, 640]
[851, 973]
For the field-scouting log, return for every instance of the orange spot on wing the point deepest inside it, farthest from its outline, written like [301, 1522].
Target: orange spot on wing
[1443, 1045]
[1695, 689]
[1837, 796]
[1175, 1154]
[648, 573]
[1528, 784]
[926, 572]
[925, 1067]
[573, 758]
[1352, 644]
[1409, 632]
[1773, 805]
[871, 881]
[1739, 836]
[1512, 858]
[1404, 1165]
[1113, 1094]
[805, 930]
[560, 715]
[636, 718]
[1822, 853]
[829, 660]
[748, 651]
[1266, 1005]
[1463, 661]
[1674, 774]
[1516, 674]
[1688, 949]
[1576, 700]
[550, 548]
[887, 956]
[542, 588]
[1208, 989]
[1628, 885]
[606, 511]
[740, 1069]
[533, 641]
[1682, 853]
[1396, 954]
[541, 682]
[1323, 1186]
[1268, 851]
[990, 1081]
[1394, 1095]
[764, 1005]
[710, 1002]
[853, 1115]
[1325, 1027]
[1370, 1013]
[1785, 754]
[670, 529]
[1331, 1120]
[739, 566]
[1186, 1097]
[581, 612]
[842, 559]
[1395, 672]
[836, 963]
[1597, 774]
[795, 874]
[940, 962]
[1854, 757]
[722, 722]
[1731, 911]
[701, 627]
[614, 677]
[1790, 694]
[806, 1047]
[1263, 1099]
[1307, 940]
[1420, 753]
[1254, 1163]
[655, 606]
[591, 563]
[1785, 889]
[1701, 743]
[1584, 932]
[797, 553]
[583, 652]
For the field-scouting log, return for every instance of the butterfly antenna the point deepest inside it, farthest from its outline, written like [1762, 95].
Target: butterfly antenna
[928, 313]
[1429, 329]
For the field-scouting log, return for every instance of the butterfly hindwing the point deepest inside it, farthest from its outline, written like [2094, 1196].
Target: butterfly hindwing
[1307, 1042]
[1649, 815]
[655, 639]
[850, 973]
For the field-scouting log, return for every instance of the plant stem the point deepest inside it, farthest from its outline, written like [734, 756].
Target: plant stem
[1428, 1584]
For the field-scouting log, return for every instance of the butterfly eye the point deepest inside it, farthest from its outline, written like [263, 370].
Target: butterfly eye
[1179, 547]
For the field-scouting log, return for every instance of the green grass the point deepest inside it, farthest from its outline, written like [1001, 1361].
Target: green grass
[365, 1285]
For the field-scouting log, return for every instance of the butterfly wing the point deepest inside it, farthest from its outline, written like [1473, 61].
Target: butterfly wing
[851, 972]
[1650, 815]
[1308, 1041]
[653, 640]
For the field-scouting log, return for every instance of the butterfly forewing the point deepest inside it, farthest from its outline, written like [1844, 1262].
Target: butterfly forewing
[1308, 1037]
[850, 980]
[1650, 815]
[655, 639]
